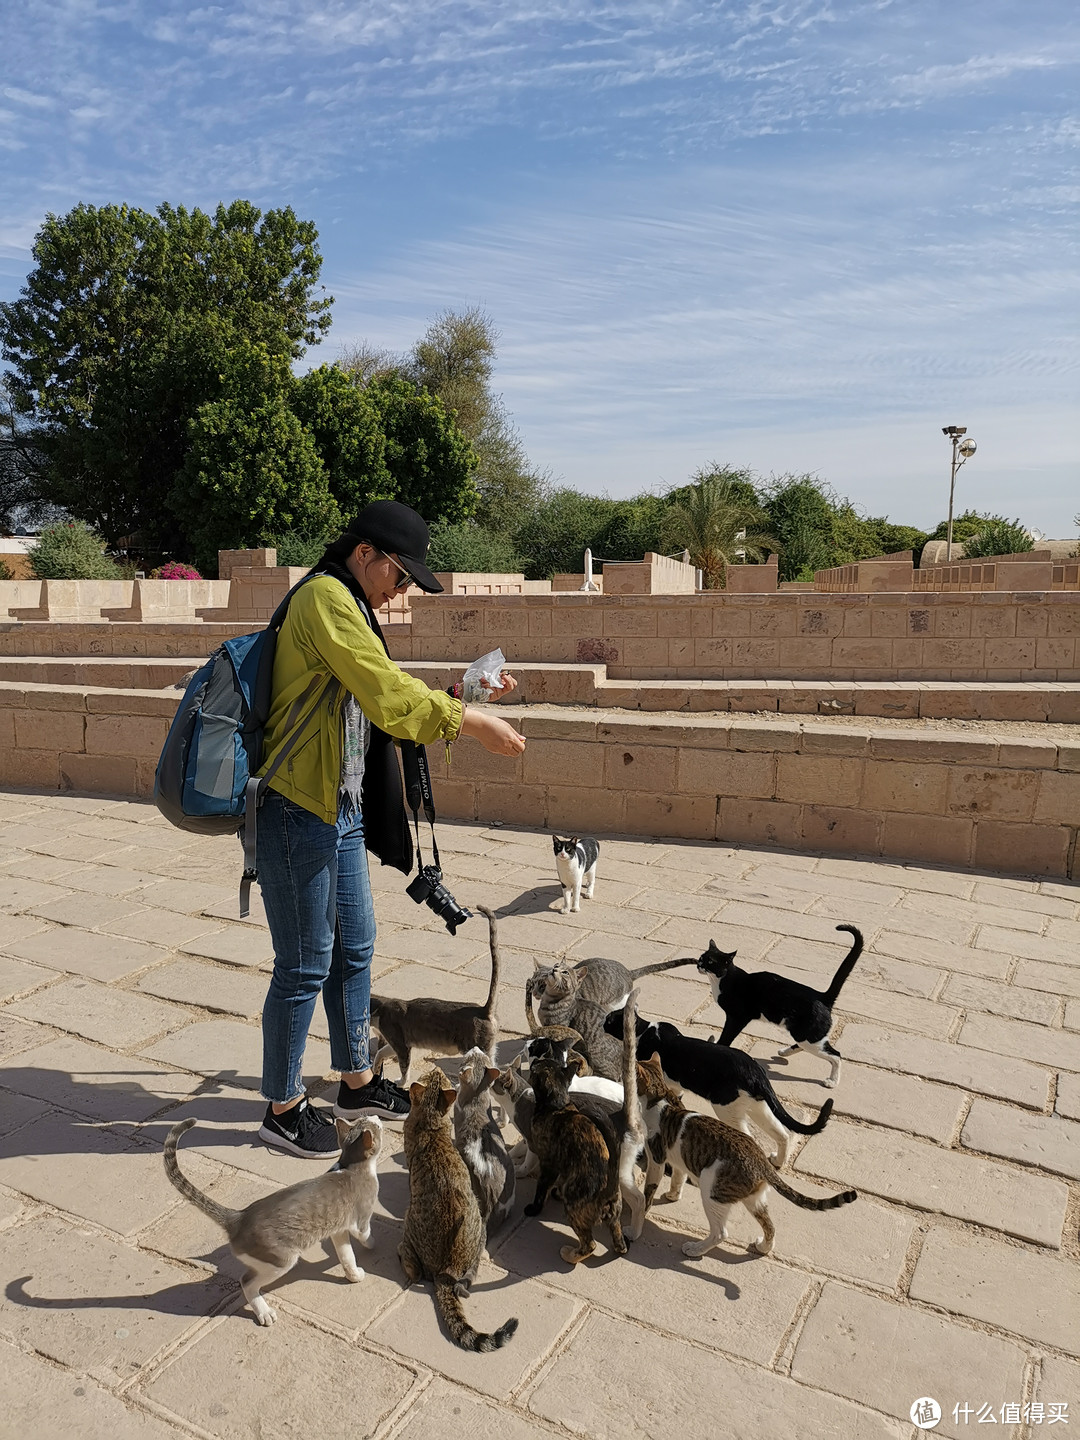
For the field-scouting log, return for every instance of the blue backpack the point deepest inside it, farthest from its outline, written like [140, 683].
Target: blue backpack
[206, 777]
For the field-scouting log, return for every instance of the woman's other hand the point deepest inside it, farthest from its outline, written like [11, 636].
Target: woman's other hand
[495, 734]
[509, 684]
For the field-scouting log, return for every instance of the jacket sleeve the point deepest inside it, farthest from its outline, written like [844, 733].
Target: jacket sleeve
[330, 627]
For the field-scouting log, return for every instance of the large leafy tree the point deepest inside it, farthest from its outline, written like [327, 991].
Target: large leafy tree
[717, 518]
[431, 464]
[344, 423]
[125, 330]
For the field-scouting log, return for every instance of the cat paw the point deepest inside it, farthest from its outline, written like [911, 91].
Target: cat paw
[366, 1240]
[762, 1246]
[829, 1084]
[573, 1256]
[265, 1316]
[355, 1275]
[694, 1249]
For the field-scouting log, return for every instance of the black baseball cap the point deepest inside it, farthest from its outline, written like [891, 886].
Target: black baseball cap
[397, 529]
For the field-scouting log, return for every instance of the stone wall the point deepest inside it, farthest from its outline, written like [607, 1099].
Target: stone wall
[654, 575]
[787, 635]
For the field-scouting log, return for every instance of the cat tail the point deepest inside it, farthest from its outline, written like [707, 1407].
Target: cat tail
[661, 965]
[493, 942]
[458, 1328]
[220, 1214]
[634, 1124]
[799, 1126]
[846, 965]
[810, 1202]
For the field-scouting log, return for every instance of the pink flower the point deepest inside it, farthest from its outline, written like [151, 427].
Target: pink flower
[176, 570]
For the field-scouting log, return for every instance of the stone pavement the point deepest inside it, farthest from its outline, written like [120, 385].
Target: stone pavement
[130, 998]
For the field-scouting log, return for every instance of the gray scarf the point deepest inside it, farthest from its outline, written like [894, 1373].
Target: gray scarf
[356, 733]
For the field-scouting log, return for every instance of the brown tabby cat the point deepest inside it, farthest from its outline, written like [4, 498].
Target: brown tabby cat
[444, 1027]
[729, 1167]
[444, 1232]
[575, 1157]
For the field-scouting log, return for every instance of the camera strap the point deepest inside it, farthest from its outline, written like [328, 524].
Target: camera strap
[418, 793]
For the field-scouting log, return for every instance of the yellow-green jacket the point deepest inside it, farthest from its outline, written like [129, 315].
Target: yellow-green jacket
[325, 634]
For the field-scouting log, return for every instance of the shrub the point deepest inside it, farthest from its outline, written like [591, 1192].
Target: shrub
[5, 571]
[70, 550]
[295, 549]
[177, 570]
[467, 547]
[998, 537]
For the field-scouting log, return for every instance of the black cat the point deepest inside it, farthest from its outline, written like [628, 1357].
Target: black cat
[734, 1083]
[760, 995]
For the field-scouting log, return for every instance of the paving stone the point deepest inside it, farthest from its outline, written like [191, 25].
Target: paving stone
[1013, 1037]
[16, 977]
[440, 950]
[669, 902]
[189, 897]
[212, 987]
[108, 1314]
[887, 1355]
[90, 1171]
[963, 1065]
[230, 1051]
[902, 1102]
[40, 867]
[738, 1302]
[1068, 1096]
[997, 999]
[408, 981]
[84, 848]
[96, 1082]
[98, 1012]
[943, 954]
[760, 892]
[87, 911]
[1048, 1141]
[229, 910]
[910, 920]
[446, 1412]
[162, 927]
[992, 892]
[912, 1172]
[901, 976]
[1072, 1015]
[1067, 930]
[617, 1379]
[635, 953]
[1059, 1382]
[674, 998]
[99, 957]
[12, 1209]
[18, 927]
[47, 1403]
[1055, 979]
[238, 946]
[904, 1011]
[19, 1110]
[777, 922]
[17, 895]
[1030, 947]
[240, 1373]
[1036, 1296]
[1015, 916]
[16, 1036]
[410, 1327]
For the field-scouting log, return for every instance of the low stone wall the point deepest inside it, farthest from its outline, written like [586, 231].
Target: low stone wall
[1010, 806]
[789, 635]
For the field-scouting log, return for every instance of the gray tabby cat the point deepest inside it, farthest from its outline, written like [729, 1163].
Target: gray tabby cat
[271, 1234]
[444, 1232]
[480, 1142]
[517, 1096]
[559, 988]
[443, 1027]
[729, 1167]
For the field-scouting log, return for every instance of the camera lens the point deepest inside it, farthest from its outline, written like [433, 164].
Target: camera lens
[427, 889]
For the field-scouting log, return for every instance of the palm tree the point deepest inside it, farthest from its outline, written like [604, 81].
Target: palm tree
[718, 524]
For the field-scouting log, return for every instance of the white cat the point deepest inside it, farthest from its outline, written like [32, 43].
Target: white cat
[575, 861]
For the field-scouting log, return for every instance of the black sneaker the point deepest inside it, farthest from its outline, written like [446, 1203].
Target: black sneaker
[378, 1097]
[302, 1131]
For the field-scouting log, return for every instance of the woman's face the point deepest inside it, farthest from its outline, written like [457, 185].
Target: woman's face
[378, 575]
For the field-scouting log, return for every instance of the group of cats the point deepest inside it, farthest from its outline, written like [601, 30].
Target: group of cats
[596, 1096]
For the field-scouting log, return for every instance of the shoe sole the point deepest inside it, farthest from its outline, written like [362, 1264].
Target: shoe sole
[341, 1113]
[282, 1142]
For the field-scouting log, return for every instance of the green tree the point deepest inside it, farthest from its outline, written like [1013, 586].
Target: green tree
[469, 547]
[999, 537]
[432, 465]
[123, 332]
[715, 519]
[555, 535]
[344, 425]
[70, 550]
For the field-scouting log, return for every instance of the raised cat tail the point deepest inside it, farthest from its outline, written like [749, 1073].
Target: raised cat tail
[220, 1214]
[810, 1202]
[459, 1329]
[799, 1126]
[846, 965]
[632, 1141]
[493, 942]
[660, 965]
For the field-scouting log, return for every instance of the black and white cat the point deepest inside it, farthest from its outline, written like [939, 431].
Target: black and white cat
[734, 1083]
[575, 861]
[806, 1014]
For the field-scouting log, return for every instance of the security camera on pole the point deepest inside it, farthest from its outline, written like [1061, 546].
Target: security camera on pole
[961, 450]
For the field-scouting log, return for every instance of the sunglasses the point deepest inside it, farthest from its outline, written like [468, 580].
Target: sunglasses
[404, 579]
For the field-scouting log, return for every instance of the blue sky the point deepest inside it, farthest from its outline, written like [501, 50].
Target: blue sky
[796, 235]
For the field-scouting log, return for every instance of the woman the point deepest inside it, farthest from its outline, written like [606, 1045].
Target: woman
[335, 684]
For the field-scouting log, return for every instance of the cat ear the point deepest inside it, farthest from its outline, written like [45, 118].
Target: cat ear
[577, 1061]
[416, 1092]
[448, 1098]
[493, 1074]
[654, 1059]
[369, 1141]
[344, 1129]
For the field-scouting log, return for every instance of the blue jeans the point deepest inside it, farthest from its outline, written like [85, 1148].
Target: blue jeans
[317, 896]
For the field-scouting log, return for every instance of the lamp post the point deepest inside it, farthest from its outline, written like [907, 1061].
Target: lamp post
[962, 450]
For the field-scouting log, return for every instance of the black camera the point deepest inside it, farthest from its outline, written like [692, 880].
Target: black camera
[428, 889]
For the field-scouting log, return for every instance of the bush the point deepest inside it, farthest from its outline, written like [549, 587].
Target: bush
[466, 547]
[295, 549]
[5, 571]
[998, 537]
[177, 570]
[71, 551]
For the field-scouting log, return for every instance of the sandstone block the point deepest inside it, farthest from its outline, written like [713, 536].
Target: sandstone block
[818, 779]
[29, 767]
[1057, 1048]
[997, 999]
[936, 839]
[1058, 802]
[1054, 979]
[228, 1049]
[100, 957]
[45, 1401]
[97, 1012]
[902, 1102]
[1048, 1141]
[100, 774]
[685, 816]
[961, 1065]
[644, 768]
[759, 822]
[49, 729]
[1029, 947]
[138, 735]
[1036, 1296]
[17, 978]
[725, 772]
[590, 808]
[853, 832]
[994, 794]
[238, 945]
[905, 787]
[1031, 849]
[887, 1355]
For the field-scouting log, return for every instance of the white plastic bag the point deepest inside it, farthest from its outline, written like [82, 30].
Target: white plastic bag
[483, 678]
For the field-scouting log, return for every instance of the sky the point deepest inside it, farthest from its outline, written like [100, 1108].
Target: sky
[793, 235]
